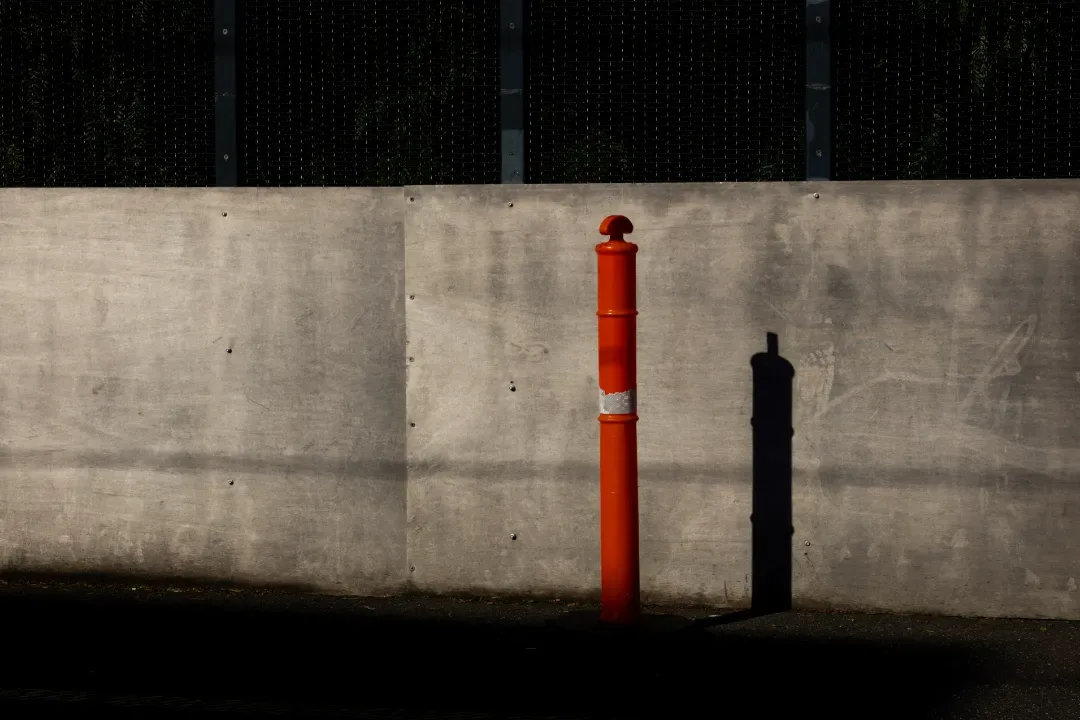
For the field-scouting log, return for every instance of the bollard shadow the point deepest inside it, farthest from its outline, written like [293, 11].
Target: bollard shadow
[771, 514]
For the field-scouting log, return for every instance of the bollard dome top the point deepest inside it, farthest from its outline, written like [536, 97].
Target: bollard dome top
[616, 226]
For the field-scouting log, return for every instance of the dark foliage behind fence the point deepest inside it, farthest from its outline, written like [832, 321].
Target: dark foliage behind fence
[636, 91]
[106, 93]
[379, 92]
[957, 89]
[391, 92]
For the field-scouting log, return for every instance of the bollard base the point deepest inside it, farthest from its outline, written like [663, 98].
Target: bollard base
[587, 622]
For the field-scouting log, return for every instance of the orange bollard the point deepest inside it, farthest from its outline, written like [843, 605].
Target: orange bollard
[620, 578]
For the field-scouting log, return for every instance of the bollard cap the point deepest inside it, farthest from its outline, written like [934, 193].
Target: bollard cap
[616, 226]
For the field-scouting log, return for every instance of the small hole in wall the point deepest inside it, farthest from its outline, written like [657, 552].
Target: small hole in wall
[232, 482]
[229, 350]
[412, 424]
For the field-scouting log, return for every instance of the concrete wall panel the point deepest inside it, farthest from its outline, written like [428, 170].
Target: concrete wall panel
[134, 442]
[932, 326]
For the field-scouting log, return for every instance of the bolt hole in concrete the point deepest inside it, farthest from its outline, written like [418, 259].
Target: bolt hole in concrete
[412, 424]
[513, 536]
[228, 350]
[512, 388]
[232, 482]
[412, 199]
[412, 297]
[411, 359]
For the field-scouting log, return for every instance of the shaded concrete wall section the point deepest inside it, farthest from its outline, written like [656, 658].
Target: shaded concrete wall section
[134, 441]
[933, 330]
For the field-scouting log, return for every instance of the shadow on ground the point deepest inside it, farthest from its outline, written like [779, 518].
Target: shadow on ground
[165, 652]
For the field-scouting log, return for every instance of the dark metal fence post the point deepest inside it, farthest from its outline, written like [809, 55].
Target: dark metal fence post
[225, 102]
[512, 90]
[819, 120]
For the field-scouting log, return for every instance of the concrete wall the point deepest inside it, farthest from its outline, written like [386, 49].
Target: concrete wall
[932, 327]
[132, 441]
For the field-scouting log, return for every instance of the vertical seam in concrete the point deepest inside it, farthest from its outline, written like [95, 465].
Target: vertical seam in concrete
[408, 198]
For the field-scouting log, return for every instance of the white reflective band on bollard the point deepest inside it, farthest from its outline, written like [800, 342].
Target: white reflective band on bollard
[620, 403]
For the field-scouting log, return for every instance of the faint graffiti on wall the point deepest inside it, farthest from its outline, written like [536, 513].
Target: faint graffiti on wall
[977, 397]
[1005, 362]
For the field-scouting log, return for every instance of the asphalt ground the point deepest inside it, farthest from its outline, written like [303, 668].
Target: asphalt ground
[73, 648]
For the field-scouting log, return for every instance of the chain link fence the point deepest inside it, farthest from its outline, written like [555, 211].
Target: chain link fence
[682, 91]
[936, 89]
[393, 92]
[106, 93]
[378, 92]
